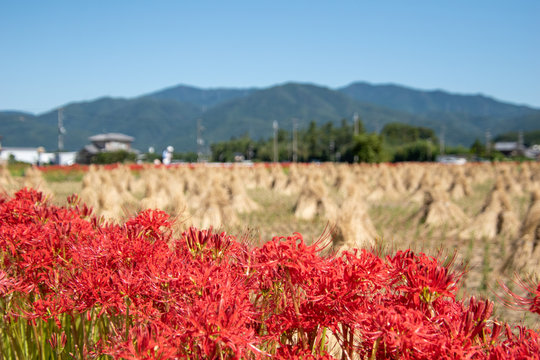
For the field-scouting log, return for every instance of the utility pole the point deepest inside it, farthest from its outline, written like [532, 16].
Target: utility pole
[332, 149]
[441, 142]
[356, 131]
[521, 143]
[61, 132]
[295, 140]
[488, 142]
[275, 125]
[200, 141]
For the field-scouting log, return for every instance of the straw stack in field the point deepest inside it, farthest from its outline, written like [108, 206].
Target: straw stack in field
[385, 186]
[444, 174]
[376, 193]
[343, 178]
[6, 180]
[511, 186]
[362, 174]
[135, 185]
[33, 179]
[247, 174]
[412, 174]
[535, 172]
[495, 218]
[191, 182]
[396, 174]
[91, 185]
[460, 186]
[353, 187]
[197, 186]
[528, 177]
[438, 211]
[279, 179]
[214, 209]
[172, 183]
[294, 181]
[352, 227]
[314, 201]
[426, 183]
[120, 179]
[330, 171]
[479, 173]
[262, 177]
[526, 249]
[238, 196]
[155, 193]
[109, 200]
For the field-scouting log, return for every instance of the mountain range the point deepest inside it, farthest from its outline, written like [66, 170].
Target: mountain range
[170, 116]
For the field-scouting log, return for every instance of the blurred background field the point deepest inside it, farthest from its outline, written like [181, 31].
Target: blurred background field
[487, 214]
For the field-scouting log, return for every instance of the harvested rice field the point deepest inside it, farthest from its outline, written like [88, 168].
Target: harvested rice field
[486, 215]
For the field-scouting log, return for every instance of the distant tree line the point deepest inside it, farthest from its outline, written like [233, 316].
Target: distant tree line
[396, 142]
[322, 143]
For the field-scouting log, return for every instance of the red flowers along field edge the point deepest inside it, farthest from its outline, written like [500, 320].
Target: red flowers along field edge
[74, 286]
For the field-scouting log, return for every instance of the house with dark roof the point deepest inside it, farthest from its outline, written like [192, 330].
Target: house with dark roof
[509, 148]
[104, 143]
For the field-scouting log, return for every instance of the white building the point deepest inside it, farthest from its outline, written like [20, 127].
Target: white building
[33, 156]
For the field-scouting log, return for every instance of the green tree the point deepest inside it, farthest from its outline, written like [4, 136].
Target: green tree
[477, 148]
[366, 148]
[226, 151]
[189, 156]
[399, 134]
[112, 157]
[417, 151]
[311, 138]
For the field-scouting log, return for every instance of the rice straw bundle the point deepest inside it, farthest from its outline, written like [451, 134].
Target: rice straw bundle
[526, 249]
[238, 196]
[314, 201]
[33, 179]
[279, 179]
[460, 187]
[495, 218]
[353, 227]
[438, 211]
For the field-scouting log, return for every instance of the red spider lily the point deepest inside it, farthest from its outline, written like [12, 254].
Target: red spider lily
[58, 341]
[524, 345]
[396, 331]
[295, 352]
[207, 243]
[149, 223]
[529, 303]
[284, 257]
[423, 278]
[207, 295]
[145, 342]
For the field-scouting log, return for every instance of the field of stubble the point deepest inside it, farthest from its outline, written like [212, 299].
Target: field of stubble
[486, 215]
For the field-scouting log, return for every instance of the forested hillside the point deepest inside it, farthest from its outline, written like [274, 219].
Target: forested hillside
[169, 116]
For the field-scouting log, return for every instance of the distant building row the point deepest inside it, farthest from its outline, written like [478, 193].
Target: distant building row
[98, 144]
[115, 141]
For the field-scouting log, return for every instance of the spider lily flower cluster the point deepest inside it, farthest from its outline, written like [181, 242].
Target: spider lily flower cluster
[74, 286]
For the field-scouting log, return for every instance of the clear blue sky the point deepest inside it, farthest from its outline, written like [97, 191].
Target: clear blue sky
[55, 52]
